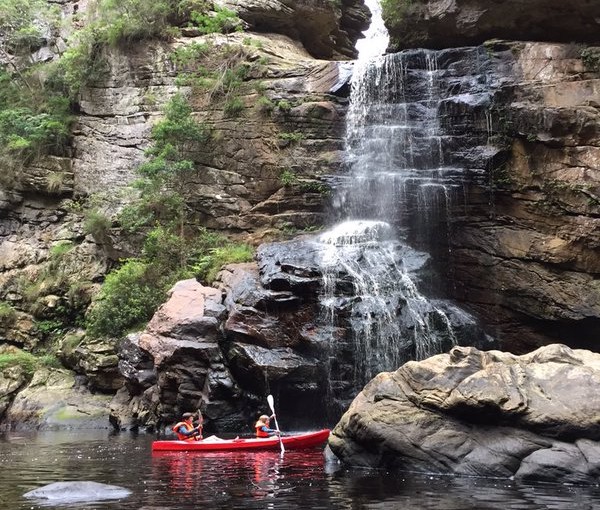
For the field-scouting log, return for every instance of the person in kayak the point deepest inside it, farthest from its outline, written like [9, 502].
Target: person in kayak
[185, 429]
[262, 427]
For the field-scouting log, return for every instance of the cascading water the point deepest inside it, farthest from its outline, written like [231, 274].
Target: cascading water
[395, 195]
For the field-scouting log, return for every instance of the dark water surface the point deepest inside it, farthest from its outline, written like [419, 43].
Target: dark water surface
[259, 480]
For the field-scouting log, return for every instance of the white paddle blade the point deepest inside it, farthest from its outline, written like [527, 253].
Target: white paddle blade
[271, 403]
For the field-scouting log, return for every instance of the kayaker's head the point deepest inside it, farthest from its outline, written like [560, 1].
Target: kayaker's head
[264, 418]
[188, 417]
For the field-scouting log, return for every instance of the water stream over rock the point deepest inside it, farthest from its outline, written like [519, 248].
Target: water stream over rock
[394, 198]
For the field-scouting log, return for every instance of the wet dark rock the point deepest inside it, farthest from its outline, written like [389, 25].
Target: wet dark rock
[253, 366]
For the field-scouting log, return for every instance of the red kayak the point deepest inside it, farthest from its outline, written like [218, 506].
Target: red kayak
[295, 442]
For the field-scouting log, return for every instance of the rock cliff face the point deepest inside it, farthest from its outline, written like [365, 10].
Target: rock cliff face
[525, 236]
[525, 250]
[454, 23]
[261, 176]
[288, 125]
[469, 412]
[326, 29]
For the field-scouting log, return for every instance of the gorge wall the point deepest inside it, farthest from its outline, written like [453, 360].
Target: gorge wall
[524, 240]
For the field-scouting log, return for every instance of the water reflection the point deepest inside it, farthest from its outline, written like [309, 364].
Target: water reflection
[249, 480]
[211, 477]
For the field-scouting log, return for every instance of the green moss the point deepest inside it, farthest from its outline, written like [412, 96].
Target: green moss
[291, 137]
[207, 267]
[8, 315]
[23, 359]
[591, 59]
[288, 178]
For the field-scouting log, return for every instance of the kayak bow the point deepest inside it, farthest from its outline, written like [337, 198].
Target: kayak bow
[294, 442]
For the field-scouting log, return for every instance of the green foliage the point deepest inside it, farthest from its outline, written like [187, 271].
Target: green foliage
[314, 187]
[128, 298]
[394, 11]
[190, 54]
[8, 314]
[234, 107]
[27, 361]
[33, 120]
[120, 21]
[284, 105]
[288, 178]
[60, 249]
[222, 20]
[21, 24]
[29, 125]
[591, 59]
[208, 266]
[49, 327]
[174, 137]
[155, 204]
[97, 224]
[55, 181]
[291, 137]
[49, 360]
[249, 41]
[82, 63]
[264, 105]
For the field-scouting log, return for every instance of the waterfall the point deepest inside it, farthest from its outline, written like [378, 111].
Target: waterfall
[392, 209]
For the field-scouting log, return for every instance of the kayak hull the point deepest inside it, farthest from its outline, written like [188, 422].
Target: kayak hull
[295, 442]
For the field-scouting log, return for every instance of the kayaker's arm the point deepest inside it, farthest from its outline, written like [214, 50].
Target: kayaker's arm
[266, 429]
[196, 431]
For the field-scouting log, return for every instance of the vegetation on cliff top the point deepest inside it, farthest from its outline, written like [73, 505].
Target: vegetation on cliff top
[37, 98]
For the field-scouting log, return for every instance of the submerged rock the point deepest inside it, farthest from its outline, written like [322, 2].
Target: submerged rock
[478, 413]
[74, 492]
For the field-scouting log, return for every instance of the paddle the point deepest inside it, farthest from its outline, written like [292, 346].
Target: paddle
[272, 406]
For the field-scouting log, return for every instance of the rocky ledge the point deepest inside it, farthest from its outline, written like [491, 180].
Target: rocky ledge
[476, 413]
[454, 23]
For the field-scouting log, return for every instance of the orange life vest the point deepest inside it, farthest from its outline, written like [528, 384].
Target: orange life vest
[261, 433]
[188, 427]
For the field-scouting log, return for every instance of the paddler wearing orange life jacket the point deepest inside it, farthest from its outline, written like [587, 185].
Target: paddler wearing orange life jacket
[185, 429]
[262, 427]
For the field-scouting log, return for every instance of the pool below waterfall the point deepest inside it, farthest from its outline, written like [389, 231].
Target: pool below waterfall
[248, 480]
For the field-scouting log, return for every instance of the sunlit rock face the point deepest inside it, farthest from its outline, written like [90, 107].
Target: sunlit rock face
[453, 23]
[477, 413]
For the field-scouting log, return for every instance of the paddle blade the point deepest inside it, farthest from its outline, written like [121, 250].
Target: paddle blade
[271, 403]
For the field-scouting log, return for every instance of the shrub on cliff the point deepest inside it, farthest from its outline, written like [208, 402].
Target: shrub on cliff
[34, 120]
[128, 298]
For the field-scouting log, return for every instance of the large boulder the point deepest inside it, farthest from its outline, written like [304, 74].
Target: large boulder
[478, 413]
[55, 400]
[453, 23]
